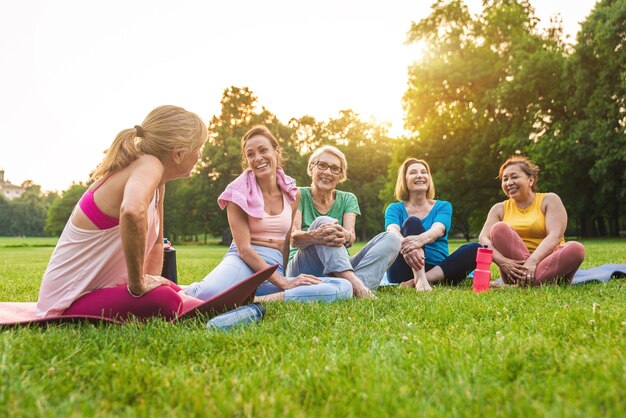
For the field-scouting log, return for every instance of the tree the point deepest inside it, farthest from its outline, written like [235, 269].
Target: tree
[62, 208]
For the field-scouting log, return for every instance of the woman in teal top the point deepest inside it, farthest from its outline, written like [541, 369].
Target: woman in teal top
[424, 223]
[324, 226]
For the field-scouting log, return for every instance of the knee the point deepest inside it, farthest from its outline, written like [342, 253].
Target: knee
[577, 250]
[412, 226]
[498, 229]
[321, 220]
[391, 242]
[344, 289]
[167, 302]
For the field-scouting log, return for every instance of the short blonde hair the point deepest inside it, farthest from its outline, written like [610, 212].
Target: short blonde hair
[166, 128]
[333, 151]
[401, 191]
[527, 166]
[263, 131]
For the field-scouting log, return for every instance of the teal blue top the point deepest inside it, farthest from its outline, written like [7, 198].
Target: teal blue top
[437, 251]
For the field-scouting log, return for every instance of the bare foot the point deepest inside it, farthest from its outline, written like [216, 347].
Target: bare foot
[423, 286]
[408, 283]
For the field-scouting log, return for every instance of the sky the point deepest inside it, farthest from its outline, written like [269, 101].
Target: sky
[74, 73]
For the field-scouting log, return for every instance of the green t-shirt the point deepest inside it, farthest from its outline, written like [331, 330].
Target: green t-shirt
[345, 202]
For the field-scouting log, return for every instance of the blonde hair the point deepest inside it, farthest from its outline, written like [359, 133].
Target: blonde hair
[401, 191]
[331, 150]
[263, 131]
[527, 166]
[166, 128]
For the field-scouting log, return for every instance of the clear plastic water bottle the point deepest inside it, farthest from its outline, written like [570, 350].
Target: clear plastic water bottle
[242, 315]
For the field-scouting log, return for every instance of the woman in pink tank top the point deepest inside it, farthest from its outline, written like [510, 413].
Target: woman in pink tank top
[261, 204]
[109, 257]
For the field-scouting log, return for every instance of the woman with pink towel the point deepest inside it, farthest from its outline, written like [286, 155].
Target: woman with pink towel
[261, 204]
[109, 257]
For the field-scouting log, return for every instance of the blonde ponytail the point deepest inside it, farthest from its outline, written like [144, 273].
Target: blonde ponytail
[166, 128]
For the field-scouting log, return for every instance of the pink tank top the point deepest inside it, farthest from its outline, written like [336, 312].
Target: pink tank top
[274, 227]
[85, 260]
[93, 212]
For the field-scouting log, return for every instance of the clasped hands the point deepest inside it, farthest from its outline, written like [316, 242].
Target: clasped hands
[519, 272]
[413, 252]
[332, 234]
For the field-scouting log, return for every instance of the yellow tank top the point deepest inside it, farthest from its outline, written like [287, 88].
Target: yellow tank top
[529, 223]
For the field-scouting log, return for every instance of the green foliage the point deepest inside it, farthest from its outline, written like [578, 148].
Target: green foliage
[25, 215]
[62, 208]
[552, 351]
[491, 85]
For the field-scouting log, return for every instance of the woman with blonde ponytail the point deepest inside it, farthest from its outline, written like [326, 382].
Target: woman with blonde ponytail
[109, 257]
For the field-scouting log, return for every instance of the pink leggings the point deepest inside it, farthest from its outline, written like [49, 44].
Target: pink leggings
[116, 302]
[563, 262]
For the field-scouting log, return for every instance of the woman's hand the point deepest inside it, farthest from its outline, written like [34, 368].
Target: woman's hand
[411, 243]
[531, 267]
[359, 290]
[514, 270]
[148, 283]
[331, 234]
[415, 258]
[301, 280]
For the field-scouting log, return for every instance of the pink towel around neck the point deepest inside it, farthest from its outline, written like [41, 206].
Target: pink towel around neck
[246, 193]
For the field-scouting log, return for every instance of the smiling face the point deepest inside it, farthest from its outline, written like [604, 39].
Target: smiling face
[516, 183]
[322, 171]
[417, 178]
[261, 156]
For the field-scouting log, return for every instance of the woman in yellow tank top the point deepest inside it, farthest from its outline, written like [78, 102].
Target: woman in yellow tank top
[526, 231]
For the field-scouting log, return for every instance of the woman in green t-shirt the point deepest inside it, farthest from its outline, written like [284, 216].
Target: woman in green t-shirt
[324, 226]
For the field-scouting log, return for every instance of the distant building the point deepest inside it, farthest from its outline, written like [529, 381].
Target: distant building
[8, 190]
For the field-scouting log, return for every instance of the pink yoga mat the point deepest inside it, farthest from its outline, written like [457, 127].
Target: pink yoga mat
[23, 313]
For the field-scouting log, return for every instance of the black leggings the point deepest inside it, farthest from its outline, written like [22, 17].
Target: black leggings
[455, 267]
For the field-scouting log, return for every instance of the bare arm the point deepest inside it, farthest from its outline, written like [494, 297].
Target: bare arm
[238, 222]
[556, 222]
[154, 263]
[496, 213]
[138, 192]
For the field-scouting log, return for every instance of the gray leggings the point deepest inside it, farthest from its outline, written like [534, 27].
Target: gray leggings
[369, 264]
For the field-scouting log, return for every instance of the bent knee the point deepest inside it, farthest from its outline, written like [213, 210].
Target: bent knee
[166, 302]
[321, 220]
[344, 289]
[576, 250]
[498, 229]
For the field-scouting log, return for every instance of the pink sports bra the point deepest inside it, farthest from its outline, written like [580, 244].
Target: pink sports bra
[93, 212]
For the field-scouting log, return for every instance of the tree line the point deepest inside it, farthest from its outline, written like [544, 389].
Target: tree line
[487, 87]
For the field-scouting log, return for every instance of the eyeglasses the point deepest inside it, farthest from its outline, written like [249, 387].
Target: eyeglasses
[322, 166]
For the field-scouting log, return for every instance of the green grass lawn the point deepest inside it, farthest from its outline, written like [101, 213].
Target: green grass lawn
[551, 351]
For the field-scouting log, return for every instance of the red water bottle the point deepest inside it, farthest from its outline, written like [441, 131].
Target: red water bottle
[482, 274]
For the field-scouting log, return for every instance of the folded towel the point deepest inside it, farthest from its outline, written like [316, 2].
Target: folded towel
[246, 193]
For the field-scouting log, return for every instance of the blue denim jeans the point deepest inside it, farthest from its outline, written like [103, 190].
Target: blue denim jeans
[233, 270]
[369, 264]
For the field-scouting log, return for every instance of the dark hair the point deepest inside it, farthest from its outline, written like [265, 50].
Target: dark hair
[263, 131]
[527, 166]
